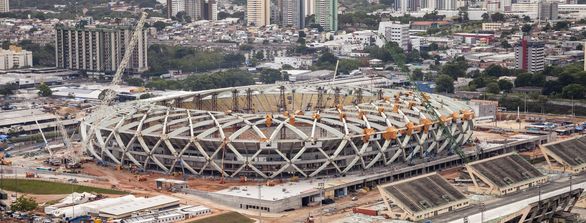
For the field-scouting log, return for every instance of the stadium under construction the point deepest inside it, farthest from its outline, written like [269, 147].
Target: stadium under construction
[273, 131]
[343, 137]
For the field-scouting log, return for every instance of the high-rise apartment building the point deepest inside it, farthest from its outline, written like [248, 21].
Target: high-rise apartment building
[394, 32]
[210, 10]
[4, 5]
[175, 6]
[15, 57]
[309, 7]
[547, 10]
[258, 12]
[326, 14]
[195, 9]
[530, 55]
[98, 49]
[293, 13]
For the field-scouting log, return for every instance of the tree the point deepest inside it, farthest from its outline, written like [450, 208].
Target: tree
[551, 87]
[496, 71]
[493, 88]
[348, 65]
[561, 25]
[526, 18]
[523, 80]
[259, 55]
[573, 91]
[498, 17]
[417, 75]
[444, 83]
[145, 96]
[24, 204]
[159, 25]
[270, 76]
[485, 17]
[505, 85]
[327, 57]
[8, 89]
[505, 44]
[526, 28]
[137, 82]
[44, 90]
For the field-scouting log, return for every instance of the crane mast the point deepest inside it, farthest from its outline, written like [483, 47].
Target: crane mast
[110, 94]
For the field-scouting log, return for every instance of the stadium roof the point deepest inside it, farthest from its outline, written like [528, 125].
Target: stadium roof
[424, 192]
[505, 170]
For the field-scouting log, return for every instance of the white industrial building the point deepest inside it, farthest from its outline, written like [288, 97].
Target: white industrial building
[295, 62]
[117, 208]
[15, 57]
[169, 216]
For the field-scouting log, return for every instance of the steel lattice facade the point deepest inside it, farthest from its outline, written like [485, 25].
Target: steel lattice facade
[278, 131]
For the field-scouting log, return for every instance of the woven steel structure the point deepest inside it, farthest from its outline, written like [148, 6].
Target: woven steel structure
[273, 131]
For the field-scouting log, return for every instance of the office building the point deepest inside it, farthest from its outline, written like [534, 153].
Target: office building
[293, 13]
[530, 55]
[98, 49]
[175, 6]
[258, 12]
[4, 5]
[326, 14]
[394, 32]
[15, 57]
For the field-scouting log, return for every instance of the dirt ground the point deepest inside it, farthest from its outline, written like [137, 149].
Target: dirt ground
[124, 179]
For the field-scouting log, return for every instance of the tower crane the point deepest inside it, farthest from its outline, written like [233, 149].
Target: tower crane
[454, 147]
[110, 94]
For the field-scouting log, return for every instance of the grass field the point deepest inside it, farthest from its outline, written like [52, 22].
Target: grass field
[230, 217]
[45, 187]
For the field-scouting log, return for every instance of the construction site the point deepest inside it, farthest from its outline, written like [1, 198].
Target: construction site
[339, 150]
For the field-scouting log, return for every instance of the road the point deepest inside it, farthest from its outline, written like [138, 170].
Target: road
[505, 206]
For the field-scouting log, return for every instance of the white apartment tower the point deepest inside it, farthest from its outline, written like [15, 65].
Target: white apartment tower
[98, 49]
[309, 7]
[15, 57]
[258, 12]
[293, 13]
[326, 14]
[194, 9]
[394, 32]
[4, 5]
[175, 6]
[530, 55]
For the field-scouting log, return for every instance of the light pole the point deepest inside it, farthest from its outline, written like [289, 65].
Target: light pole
[481, 212]
[321, 194]
[539, 188]
[259, 203]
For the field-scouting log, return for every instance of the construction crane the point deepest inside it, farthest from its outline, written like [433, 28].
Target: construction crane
[110, 94]
[431, 110]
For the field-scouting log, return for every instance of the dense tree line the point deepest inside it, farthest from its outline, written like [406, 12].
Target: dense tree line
[163, 58]
[223, 79]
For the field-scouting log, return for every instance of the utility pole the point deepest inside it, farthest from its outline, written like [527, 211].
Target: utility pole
[481, 212]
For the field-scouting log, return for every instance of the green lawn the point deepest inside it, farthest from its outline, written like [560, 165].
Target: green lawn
[45, 187]
[230, 217]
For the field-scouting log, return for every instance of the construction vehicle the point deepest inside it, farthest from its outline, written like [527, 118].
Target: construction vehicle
[30, 175]
[4, 161]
